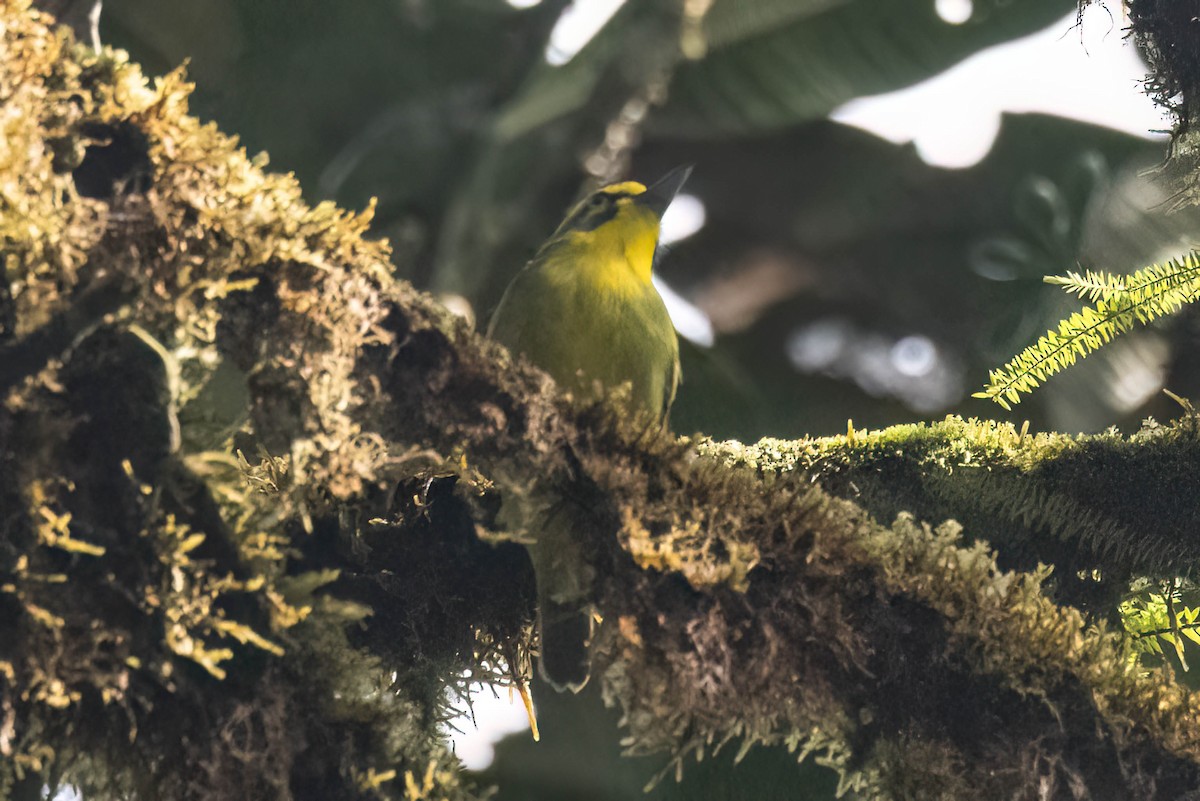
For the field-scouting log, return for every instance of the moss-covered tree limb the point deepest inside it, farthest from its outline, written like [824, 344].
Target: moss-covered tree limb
[756, 606]
[162, 633]
[269, 600]
[1123, 506]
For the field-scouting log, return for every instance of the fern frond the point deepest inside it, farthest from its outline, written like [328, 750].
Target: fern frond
[1119, 303]
[1091, 285]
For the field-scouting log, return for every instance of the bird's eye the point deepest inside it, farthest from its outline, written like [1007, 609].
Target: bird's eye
[597, 201]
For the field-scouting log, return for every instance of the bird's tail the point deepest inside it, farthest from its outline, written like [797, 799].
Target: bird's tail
[565, 630]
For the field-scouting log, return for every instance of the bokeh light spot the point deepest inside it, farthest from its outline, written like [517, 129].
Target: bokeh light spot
[820, 345]
[579, 23]
[493, 716]
[684, 217]
[914, 355]
[955, 12]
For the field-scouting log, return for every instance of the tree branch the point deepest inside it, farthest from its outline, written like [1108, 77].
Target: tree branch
[380, 446]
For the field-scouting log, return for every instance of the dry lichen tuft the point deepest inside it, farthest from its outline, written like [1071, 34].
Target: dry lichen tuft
[160, 632]
[1166, 32]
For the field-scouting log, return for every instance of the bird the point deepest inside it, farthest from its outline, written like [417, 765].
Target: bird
[584, 310]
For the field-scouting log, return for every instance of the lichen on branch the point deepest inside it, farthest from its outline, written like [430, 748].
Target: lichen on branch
[1106, 504]
[285, 494]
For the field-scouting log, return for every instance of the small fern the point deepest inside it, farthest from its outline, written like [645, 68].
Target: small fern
[1119, 301]
[1167, 616]
[1093, 286]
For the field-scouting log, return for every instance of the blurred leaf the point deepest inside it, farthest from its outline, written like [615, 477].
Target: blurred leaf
[729, 22]
[1004, 258]
[638, 39]
[527, 166]
[368, 99]
[1042, 210]
[801, 60]
[1088, 177]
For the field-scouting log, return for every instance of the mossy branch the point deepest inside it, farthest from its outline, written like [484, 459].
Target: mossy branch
[351, 489]
[1099, 508]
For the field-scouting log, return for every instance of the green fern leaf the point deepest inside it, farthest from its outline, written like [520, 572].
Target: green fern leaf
[1091, 285]
[1119, 302]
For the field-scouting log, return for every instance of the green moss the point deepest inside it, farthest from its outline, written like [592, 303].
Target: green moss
[1109, 503]
[159, 637]
[229, 566]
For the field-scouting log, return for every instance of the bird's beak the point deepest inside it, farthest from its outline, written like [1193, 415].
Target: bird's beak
[660, 194]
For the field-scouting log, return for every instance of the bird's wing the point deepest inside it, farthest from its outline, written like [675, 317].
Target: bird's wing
[674, 377]
[518, 312]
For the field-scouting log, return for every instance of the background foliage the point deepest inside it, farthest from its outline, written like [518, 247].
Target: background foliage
[447, 112]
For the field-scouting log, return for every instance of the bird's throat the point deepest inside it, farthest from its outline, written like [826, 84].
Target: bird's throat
[624, 258]
[617, 257]
[639, 252]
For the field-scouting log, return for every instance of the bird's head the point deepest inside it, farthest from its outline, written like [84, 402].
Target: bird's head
[624, 215]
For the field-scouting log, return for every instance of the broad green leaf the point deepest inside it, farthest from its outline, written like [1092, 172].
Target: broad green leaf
[802, 65]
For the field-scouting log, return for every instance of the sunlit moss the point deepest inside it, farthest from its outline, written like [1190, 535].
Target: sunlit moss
[271, 573]
[153, 639]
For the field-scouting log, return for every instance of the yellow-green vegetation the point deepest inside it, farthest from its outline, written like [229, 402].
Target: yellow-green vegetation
[994, 624]
[1163, 614]
[1120, 505]
[160, 632]
[1119, 302]
[267, 597]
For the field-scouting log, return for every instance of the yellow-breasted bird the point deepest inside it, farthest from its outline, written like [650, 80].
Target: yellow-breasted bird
[584, 310]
